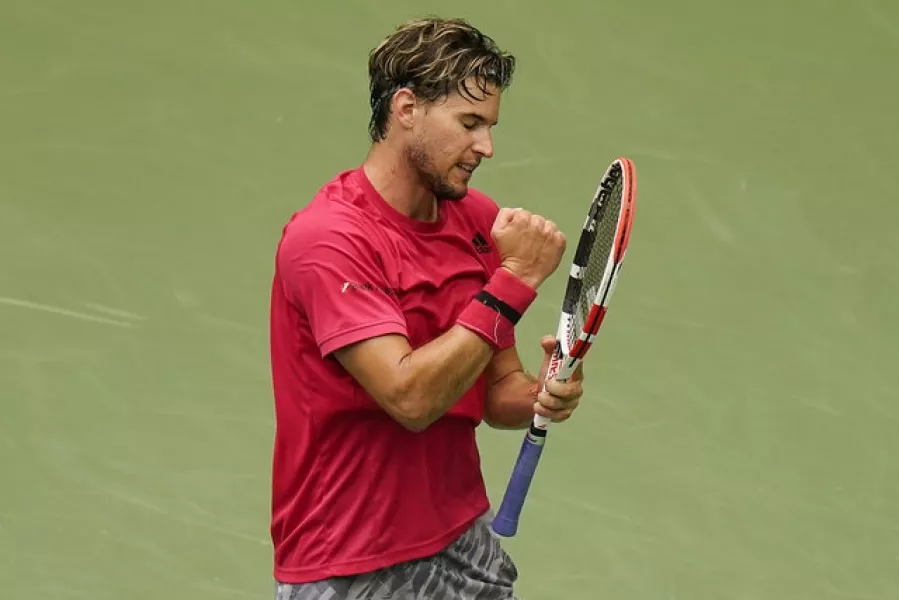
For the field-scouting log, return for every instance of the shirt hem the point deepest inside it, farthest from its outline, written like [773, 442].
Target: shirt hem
[296, 576]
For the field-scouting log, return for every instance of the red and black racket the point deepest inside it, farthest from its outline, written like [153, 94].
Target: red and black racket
[594, 272]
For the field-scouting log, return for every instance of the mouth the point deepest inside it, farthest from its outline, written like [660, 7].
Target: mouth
[467, 167]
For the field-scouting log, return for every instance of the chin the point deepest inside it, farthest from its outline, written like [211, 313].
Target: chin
[452, 192]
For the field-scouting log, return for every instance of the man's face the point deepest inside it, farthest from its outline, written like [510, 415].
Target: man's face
[450, 138]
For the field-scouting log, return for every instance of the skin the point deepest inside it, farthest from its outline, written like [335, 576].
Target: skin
[432, 150]
[430, 153]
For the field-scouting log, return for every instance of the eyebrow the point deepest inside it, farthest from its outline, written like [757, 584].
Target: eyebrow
[478, 118]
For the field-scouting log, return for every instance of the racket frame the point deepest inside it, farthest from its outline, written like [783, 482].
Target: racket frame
[566, 359]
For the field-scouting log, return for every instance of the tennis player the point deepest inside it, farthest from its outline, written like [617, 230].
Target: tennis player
[393, 311]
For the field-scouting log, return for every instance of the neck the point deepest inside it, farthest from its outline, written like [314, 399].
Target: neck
[398, 183]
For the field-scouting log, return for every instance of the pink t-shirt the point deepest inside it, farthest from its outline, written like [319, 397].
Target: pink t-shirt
[353, 490]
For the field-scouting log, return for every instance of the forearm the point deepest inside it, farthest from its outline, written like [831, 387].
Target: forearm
[434, 376]
[510, 401]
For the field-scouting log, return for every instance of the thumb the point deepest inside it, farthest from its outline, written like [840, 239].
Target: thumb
[503, 217]
[548, 343]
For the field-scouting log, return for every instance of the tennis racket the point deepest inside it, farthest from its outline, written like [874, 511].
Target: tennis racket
[591, 281]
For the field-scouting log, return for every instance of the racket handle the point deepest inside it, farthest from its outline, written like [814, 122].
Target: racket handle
[506, 521]
[541, 422]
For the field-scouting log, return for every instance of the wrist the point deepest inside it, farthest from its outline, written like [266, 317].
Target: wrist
[530, 280]
[497, 308]
[514, 291]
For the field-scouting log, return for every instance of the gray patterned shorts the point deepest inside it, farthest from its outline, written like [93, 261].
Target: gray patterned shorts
[474, 567]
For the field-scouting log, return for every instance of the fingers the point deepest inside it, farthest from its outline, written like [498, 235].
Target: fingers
[567, 390]
[556, 415]
[533, 221]
[531, 246]
[505, 216]
[559, 395]
[550, 402]
[559, 400]
[561, 240]
[521, 215]
[544, 367]
[548, 343]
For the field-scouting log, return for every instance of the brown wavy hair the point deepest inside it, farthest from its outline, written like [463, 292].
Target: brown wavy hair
[433, 57]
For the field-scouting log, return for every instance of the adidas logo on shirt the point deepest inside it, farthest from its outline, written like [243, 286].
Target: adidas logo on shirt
[480, 243]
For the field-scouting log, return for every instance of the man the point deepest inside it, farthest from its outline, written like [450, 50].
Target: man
[394, 301]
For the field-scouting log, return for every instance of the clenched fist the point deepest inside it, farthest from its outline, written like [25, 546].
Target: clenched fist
[530, 245]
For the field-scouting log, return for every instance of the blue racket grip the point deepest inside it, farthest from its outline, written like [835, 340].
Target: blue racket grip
[506, 521]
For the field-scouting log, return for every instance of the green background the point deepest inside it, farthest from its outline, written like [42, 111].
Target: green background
[738, 436]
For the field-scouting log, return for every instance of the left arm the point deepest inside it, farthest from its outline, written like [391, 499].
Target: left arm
[511, 392]
[514, 395]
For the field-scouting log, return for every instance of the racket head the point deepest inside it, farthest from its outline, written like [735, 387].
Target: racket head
[599, 255]
[594, 272]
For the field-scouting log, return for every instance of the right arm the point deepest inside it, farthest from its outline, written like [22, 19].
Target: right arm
[416, 387]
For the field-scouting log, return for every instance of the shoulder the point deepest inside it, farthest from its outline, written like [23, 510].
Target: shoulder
[479, 200]
[337, 215]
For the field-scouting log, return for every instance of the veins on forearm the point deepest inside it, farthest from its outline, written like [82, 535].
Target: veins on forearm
[511, 398]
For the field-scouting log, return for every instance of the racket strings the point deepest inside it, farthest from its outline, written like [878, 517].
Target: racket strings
[603, 242]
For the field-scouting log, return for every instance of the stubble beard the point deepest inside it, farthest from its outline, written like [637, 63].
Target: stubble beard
[436, 183]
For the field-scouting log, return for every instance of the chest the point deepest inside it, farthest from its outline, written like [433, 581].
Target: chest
[437, 275]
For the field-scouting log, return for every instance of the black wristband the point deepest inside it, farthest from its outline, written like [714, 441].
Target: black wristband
[499, 306]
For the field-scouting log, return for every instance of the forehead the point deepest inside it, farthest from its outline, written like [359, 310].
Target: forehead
[475, 101]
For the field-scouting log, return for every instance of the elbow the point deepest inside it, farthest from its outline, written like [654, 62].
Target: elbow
[496, 422]
[415, 425]
[507, 425]
[410, 409]
[413, 418]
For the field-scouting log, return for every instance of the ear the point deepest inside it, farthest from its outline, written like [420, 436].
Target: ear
[403, 107]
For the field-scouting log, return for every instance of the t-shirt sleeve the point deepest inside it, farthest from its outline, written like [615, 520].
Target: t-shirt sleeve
[336, 277]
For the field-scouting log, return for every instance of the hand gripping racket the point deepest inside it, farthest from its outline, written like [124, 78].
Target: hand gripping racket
[594, 272]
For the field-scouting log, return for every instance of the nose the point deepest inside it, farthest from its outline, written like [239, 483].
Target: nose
[483, 144]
